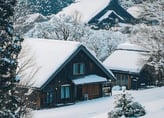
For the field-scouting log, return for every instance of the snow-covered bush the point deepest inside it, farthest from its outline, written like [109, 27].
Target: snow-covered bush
[126, 107]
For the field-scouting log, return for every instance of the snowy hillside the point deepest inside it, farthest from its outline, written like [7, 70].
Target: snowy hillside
[152, 99]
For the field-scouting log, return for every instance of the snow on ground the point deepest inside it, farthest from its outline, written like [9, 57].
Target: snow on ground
[152, 99]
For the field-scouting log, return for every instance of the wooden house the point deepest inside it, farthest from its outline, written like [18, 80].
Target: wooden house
[128, 64]
[68, 72]
[112, 14]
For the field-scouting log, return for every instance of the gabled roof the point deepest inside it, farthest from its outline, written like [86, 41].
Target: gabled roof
[86, 9]
[127, 58]
[119, 11]
[50, 56]
[108, 13]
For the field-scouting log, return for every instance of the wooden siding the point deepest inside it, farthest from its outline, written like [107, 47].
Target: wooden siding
[91, 90]
[132, 81]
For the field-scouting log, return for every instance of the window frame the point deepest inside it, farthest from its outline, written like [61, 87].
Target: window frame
[48, 97]
[65, 91]
[78, 68]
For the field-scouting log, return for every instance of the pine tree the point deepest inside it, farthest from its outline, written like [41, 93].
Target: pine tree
[10, 47]
[126, 107]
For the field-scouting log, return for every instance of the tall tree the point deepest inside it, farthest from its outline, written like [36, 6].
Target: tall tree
[10, 47]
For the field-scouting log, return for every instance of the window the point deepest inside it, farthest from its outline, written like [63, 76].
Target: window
[48, 97]
[65, 91]
[78, 68]
[122, 79]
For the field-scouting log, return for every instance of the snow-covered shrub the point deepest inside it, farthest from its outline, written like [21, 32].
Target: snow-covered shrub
[126, 107]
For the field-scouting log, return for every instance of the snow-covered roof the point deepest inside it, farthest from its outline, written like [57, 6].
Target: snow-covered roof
[135, 11]
[127, 60]
[108, 13]
[85, 8]
[42, 58]
[48, 56]
[31, 18]
[105, 15]
[89, 79]
[129, 46]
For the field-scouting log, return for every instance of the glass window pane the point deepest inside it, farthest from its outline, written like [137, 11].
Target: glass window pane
[51, 97]
[67, 92]
[62, 92]
[75, 68]
[47, 98]
[81, 68]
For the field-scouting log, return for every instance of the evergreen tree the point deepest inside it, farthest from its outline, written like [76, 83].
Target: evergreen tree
[10, 47]
[44, 7]
[126, 107]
